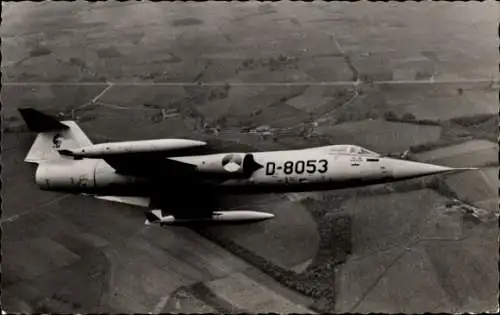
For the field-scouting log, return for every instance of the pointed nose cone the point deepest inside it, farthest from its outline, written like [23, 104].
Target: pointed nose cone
[258, 216]
[402, 169]
[265, 216]
[268, 216]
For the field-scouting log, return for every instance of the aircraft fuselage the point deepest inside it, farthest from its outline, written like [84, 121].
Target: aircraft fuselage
[258, 172]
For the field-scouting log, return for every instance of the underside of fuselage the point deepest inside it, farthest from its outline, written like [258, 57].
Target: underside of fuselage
[155, 187]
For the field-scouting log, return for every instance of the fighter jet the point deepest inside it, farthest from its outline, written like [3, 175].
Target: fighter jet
[173, 177]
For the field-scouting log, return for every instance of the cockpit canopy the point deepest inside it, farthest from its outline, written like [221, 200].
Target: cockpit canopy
[349, 149]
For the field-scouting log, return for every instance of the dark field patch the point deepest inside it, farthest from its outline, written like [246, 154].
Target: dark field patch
[108, 53]
[40, 51]
[186, 22]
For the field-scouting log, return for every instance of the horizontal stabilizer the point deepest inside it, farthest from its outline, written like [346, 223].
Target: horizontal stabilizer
[53, 135]
[40, 122]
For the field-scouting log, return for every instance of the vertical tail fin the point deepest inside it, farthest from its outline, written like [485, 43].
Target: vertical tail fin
[52, 135]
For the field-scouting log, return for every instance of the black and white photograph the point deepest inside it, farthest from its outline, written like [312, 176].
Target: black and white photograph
[250, 157]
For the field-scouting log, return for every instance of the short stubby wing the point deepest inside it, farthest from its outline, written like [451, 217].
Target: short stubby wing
[152, 166]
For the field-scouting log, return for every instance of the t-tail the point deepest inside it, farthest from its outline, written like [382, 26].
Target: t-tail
[53, 135]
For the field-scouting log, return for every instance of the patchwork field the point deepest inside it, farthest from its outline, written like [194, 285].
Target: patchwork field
[469, 153]
[258, 76]
[429, 236]
[481, 189]
[381, 136]
[482, 185]
[447, 102]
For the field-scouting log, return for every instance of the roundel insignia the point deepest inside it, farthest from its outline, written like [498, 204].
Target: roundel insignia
[232, 162]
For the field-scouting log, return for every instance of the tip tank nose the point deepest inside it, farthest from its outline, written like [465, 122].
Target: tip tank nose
[408, 169]
[239, 215]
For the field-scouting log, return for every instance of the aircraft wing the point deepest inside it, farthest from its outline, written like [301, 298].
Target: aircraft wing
[134, 201]
[171, 201]
[145, 202]
[142, 158]
[149, 165]
[173, 214]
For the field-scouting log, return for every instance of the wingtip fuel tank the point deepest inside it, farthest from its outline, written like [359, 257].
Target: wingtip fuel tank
[143, 146]
[236, 216]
